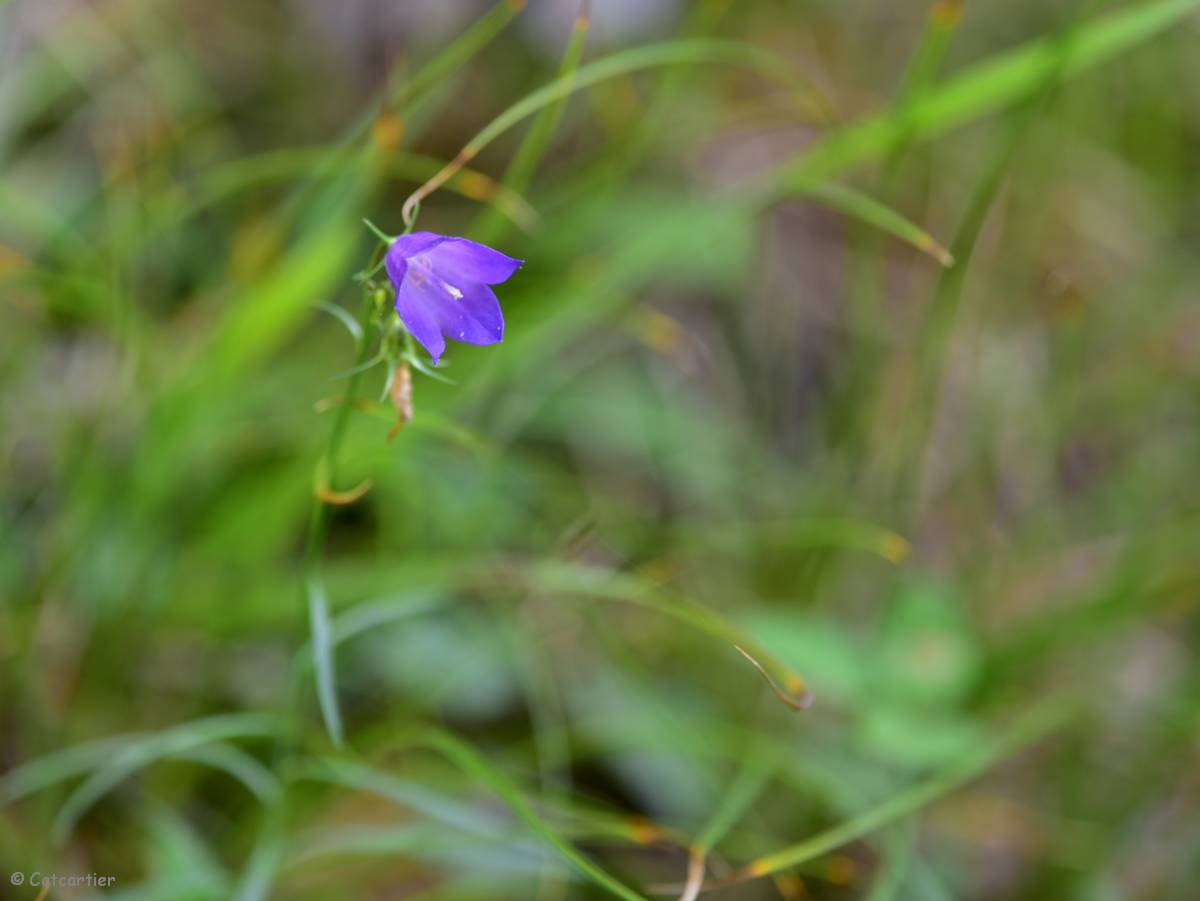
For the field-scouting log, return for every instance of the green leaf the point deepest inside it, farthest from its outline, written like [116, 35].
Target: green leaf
[322, 648]
[262, 316]
[927, 653]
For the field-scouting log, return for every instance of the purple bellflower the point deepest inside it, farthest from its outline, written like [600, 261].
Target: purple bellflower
[442, 289]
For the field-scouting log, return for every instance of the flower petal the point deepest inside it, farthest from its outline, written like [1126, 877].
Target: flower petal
[396, 266]
[419, 316]
[475, 318]
[459, 260]
[411, 245]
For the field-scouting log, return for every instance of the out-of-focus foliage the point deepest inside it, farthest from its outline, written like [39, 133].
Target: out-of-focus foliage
[740, 404]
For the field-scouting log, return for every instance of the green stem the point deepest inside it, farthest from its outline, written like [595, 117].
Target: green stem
[275, 816]
[318, 528]
[319, 520]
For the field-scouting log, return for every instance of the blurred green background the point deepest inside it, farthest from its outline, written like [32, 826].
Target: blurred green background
[741, 404]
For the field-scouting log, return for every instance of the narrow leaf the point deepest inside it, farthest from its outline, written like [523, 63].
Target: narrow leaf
[322, 645]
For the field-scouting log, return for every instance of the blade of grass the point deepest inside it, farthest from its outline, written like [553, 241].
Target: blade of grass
[263, 314]
[541, 131]
[178, 743]
[265, 860]
[543, 700]
[408, 94]
[668, 53]
[259, 781]
[178, 853]
[898, 853]
[424, 841]
[925, 67]
[367, 617]
[544, 704]
[322, 649]
[868, 279]
[1030, 728]
[360, 777]
[70, 56]
[870, 211]
[752, 777]
[460, 51]
[340, 314]
[983, 88]
[578, 579]
[475, 765]
[228, 180]
[62, 765]
[704, 18]
[320, 632]
[841, 533]
[933, 342]
[601, 583]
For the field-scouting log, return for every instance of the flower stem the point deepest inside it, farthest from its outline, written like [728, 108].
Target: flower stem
[318, 522]
[378, 232]
[318, 526]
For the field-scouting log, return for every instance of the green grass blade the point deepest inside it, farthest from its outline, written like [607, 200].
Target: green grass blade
[475, 765]
[840, 533]
[257, 779]
[651, 56]
[537, 140]
[752, 777]
[322, 649]
[1027, 730]
[264, 863]
[62, 765]
[667, 53]
[926, 64]
[263, 314]
[604, 584]
[749, 783]
[181, 742]
[365, 617]
[408, 94]
[229, 180]
[934, 339]
[704, 19]
[482, 32]
[91, 790]
[868, 282]
[437, 806]
[984, 88]
[870, 211]
[449, 849]
[898, 852]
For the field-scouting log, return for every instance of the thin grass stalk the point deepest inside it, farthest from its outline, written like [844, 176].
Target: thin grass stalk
[489, 225]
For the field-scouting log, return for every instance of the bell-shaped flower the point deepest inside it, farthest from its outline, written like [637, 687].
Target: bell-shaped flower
[442, 289]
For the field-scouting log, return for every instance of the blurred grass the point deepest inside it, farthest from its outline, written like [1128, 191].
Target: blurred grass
[947, 501]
